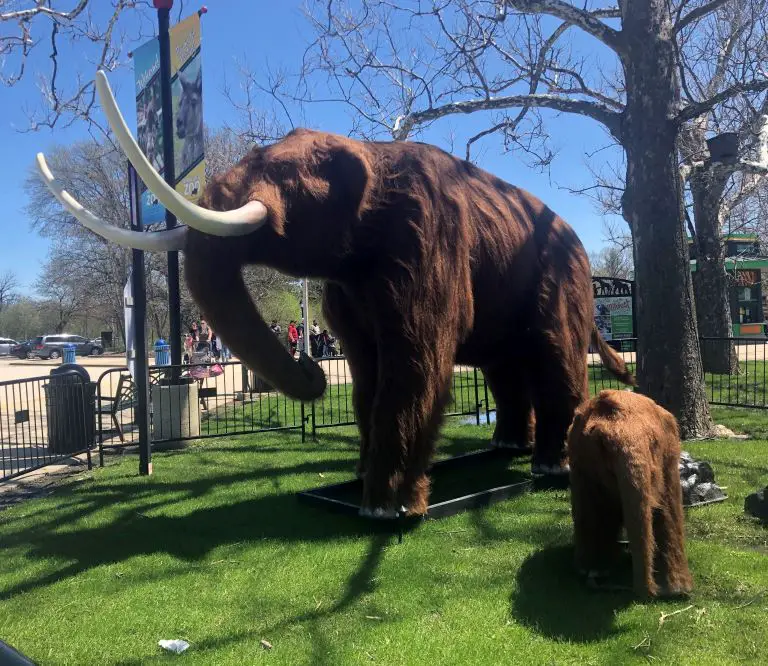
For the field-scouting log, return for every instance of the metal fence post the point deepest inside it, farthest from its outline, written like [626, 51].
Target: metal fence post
[477, 400]
[85, 393]
[303, 424]
[314, 425]
[99, 424]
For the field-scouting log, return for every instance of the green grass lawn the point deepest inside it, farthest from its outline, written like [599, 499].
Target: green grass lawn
[215, 548]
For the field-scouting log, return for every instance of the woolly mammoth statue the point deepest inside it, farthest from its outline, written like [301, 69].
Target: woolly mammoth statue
[427, 260]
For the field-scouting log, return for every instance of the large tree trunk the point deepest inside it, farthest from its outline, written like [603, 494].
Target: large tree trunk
[669, 361]
[710, 281]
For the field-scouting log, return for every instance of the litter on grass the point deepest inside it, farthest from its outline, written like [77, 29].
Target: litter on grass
[177, 645]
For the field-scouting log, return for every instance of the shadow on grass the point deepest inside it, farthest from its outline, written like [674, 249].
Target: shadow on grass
[360, 583]
[554, 602]
[139, 526]
[189, 537]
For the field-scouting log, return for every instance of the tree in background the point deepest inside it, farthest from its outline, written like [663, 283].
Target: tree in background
[21, 320]
[719, 52]
[8, 285]
[93, 270]
[62, 292]
[721, 186]
[612, 262]
[96, 270]
[402, 67]
[47, 39]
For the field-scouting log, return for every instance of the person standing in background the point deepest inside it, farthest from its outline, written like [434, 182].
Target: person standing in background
[293, 337]
[214, 345]
[314, 333]
[302, 338]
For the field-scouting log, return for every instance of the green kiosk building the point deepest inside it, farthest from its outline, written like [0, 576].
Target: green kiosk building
[744, 264]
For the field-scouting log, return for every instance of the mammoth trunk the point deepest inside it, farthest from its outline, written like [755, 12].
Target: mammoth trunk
[220, 292]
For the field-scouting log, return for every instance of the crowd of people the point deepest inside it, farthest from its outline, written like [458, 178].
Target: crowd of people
[321, 343]
[202, 344]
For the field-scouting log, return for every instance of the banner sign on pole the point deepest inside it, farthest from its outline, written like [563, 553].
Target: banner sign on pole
[186, 86]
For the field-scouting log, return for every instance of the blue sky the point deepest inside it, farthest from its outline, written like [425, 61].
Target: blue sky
[276, 33]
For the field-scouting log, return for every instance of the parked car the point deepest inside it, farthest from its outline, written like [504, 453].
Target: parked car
[23, 349]
[6, 344]
[52, 346]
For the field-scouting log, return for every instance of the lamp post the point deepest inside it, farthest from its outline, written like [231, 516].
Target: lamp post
[174, 296]
[140, 335]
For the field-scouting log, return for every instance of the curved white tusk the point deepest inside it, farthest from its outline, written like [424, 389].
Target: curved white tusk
[239, 222]
[161, 241]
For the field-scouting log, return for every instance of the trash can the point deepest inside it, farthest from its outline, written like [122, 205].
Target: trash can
[69, 354]
[70, 405]
[162, 353]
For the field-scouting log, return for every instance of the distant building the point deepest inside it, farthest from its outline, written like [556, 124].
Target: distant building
[745, 264]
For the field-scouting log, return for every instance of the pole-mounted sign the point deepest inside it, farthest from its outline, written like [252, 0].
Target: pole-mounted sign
[187, 112]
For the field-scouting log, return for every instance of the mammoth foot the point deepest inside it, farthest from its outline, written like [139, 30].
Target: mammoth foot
[380, 513]
[542, 469]
[682, 591]
[521, 447]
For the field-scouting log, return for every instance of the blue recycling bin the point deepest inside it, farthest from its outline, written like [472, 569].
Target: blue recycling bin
[69, 354]
[162, 353]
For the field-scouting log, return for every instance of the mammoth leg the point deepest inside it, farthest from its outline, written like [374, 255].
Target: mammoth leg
[669, 532]
[559, 385]
[415, 361]
[407, 412]
[634, 487]
[342, 312]
[596, 525]
[514, 412]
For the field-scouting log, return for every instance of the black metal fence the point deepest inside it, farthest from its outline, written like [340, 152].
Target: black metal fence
[735, 371]
[41, 424]
[44, 420]
[219, 399]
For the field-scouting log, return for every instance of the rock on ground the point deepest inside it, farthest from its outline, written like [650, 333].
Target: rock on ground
[697, 479]
[756, 504]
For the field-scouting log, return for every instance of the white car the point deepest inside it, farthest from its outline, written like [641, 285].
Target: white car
[6, 344]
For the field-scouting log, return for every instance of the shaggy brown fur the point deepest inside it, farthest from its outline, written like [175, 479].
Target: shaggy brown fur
[624, 452]
[428, 261]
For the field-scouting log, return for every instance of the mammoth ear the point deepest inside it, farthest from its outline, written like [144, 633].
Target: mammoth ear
[349, 174]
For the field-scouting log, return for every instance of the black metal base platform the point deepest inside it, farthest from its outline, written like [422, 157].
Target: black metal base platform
[459, 484]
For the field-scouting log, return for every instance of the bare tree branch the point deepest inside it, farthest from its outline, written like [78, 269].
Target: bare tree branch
[609, 118]
[67, 92]
[8, 285]
[41, 8]
[588, 21]
[696, 109]
[698, 13]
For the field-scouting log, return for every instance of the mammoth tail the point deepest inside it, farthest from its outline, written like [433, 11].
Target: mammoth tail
[611, 359]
